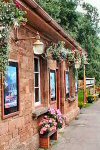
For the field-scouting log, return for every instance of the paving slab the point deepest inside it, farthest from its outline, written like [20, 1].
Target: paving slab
[82, 134]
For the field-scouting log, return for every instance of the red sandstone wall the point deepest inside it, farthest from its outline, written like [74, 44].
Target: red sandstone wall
[21, 131]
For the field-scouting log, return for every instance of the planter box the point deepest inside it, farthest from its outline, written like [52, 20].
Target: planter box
[45, 139]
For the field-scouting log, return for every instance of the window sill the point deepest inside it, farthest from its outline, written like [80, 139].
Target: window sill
[71, 99]
[40, 111]
[53, 102]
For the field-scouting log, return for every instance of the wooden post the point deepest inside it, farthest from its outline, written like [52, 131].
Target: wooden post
[84, 86]
[94, 86]
[58, 87]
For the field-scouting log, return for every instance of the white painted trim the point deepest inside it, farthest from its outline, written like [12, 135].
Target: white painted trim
[37, 103]
[13, 60]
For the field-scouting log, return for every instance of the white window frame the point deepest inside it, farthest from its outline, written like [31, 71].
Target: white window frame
[67, 72]
[39, 102]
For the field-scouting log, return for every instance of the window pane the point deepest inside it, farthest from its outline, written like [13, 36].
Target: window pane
[53, 85]
[36, 79]
[67, 85]
[36, 94]
[36, 69]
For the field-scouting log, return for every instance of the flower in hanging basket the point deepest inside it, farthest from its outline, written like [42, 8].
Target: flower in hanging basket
[17, 4]
[57, 51]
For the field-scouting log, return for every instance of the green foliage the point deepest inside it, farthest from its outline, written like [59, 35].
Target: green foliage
[52, 7]
[81, 26]
[80, 99]
[10, 15]
[57, 51]
[90, 99]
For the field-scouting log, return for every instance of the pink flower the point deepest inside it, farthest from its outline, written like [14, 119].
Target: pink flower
[55, 123]
[58, 112]
[52, 111]
[17, 4]
[45, 117]
[41, 131]
[60, 121]
[50, 121]
[41, 123]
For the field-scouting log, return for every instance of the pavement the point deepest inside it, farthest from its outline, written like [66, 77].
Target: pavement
[83, 133]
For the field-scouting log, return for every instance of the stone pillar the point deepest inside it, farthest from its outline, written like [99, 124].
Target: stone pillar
[62, 88]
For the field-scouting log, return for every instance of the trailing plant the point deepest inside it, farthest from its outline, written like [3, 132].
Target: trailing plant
[71, 56]
[11, 15]
[57, 51]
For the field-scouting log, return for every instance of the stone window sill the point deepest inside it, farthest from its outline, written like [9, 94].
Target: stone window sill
[40, 111]
[71, 99]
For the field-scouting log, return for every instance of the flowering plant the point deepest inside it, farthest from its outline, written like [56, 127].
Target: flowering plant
[47, 125]
[56, 114]
[11, 15]
[57, 51]
[51, 121]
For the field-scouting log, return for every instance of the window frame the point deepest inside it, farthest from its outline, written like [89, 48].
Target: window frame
[4, 116]
[67, 72]
[53, 99]
[39, 87]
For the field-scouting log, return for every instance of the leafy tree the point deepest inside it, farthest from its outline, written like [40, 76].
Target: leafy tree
[83, 27]
[52, 7]
[88, 37]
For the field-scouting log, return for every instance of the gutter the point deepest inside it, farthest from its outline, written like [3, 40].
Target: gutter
[45, 16]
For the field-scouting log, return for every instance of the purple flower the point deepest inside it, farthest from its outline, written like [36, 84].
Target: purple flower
[58, 112]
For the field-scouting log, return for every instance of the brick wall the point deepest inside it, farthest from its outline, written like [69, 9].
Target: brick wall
[20, 132]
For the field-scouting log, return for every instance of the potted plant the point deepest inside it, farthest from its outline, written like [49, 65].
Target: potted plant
[48, 127]
[57, 51]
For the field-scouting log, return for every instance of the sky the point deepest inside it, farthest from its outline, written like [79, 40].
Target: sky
[95, 3]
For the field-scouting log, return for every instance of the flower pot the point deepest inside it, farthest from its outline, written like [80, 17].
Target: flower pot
[44, 140]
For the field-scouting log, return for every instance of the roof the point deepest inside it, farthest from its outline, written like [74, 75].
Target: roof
[46, 25]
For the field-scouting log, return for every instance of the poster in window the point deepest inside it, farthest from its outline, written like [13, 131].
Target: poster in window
[11, 89]
[67, 84]
[53, 85]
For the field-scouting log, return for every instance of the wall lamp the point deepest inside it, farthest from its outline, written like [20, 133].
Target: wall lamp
[38, 46]
[77, 64]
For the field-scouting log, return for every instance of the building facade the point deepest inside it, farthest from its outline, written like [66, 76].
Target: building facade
[34, 84]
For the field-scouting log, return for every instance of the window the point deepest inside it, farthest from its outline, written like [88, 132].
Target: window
[53, 85]
[76, 86]
[37, 81]
[67, 84]
[11, 94]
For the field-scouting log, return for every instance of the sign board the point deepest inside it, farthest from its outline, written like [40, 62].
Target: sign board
[90, 82]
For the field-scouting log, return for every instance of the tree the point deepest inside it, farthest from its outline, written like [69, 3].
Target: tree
[83, 27]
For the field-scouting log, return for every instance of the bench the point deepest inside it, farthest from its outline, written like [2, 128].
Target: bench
[44, 140]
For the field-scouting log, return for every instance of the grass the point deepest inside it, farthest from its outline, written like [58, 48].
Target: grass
[81, 96]
[81, 100]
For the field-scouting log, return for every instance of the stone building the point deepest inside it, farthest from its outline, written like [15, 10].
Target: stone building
[32, 75]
